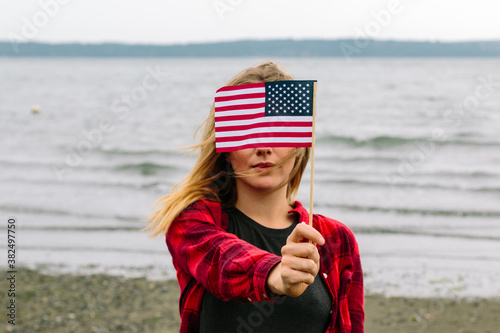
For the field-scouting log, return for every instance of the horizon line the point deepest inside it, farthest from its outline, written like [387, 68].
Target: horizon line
[250, 40]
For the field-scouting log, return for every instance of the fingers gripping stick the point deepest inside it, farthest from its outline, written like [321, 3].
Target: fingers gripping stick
[299, 264]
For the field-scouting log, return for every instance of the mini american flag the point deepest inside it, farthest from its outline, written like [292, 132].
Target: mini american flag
[266, 114]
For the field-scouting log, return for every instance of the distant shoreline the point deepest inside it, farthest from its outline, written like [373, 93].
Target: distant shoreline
[343, 48]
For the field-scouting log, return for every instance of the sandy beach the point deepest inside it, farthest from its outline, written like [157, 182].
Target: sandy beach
[103, 303]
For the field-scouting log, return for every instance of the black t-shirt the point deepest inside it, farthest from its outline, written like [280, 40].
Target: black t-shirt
[309, 312]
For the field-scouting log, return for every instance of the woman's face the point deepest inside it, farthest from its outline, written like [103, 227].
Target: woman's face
[254, 160]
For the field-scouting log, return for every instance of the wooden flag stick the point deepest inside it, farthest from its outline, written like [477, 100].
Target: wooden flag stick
[312, 157]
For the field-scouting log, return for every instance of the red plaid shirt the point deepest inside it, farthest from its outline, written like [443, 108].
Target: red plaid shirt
[207, 257]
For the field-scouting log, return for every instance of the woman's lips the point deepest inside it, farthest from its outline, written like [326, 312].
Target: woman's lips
[262, 166]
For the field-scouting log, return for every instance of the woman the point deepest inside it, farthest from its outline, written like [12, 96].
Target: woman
[244, 260]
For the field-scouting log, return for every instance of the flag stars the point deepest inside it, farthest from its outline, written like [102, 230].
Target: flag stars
[288, 98]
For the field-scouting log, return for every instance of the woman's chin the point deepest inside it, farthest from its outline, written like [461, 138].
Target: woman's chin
[267, 186]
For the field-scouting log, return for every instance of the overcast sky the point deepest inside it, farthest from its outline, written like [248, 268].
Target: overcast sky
[184, 21]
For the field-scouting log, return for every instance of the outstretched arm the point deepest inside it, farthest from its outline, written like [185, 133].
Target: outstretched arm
[225, 265]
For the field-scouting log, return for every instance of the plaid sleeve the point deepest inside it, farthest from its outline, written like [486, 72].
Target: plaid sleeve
[225, 265]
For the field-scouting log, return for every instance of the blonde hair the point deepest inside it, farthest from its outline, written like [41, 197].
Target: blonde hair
[212, 176]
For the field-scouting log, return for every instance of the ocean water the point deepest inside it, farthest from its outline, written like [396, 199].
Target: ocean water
[407, 155]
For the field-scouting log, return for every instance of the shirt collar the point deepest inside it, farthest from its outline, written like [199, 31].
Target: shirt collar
[299, 209]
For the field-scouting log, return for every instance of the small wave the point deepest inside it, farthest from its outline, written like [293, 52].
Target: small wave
[466, 135]
[88, 183]
[27, 163]
[55, 212]
[374, 230]
[392, 141]
[462, 173]
[348, 159]
[82, 229]
[150, 185]
[34, 210]
[116, 151]
[379, 141]
[145, 168]
[92, 249]
[416, 211]
[374, 183]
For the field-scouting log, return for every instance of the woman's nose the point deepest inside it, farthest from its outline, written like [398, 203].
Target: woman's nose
[263, 151]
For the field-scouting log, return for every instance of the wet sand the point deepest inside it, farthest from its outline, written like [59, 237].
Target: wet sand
[102, 303]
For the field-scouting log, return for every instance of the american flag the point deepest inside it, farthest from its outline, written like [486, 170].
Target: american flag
[266, 114]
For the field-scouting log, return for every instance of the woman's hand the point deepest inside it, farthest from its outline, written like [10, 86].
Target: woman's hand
[299, 264]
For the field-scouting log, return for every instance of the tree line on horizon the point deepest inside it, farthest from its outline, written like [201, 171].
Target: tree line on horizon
[349, 48]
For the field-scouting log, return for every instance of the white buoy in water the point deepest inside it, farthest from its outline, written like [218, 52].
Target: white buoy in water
[35, 109]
